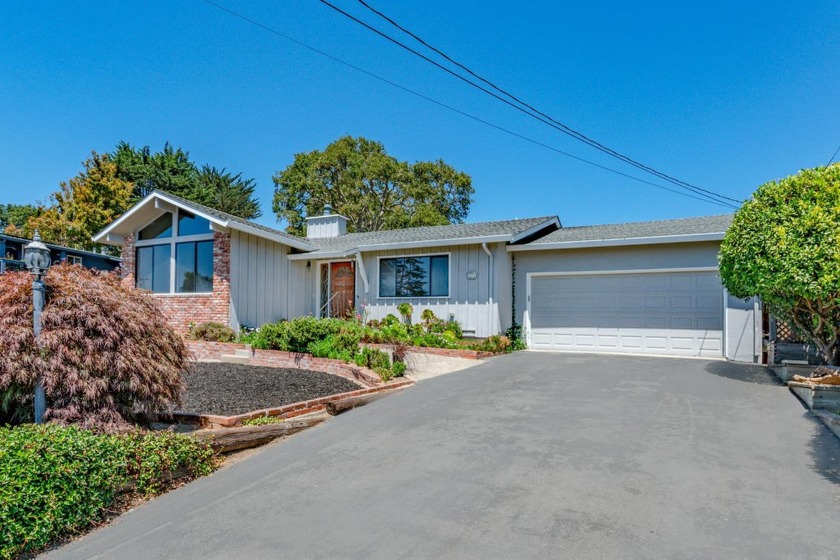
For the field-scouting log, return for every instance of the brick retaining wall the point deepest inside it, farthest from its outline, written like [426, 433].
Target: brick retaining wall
[202, 350]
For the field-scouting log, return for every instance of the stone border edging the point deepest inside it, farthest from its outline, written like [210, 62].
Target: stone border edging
[287, 411]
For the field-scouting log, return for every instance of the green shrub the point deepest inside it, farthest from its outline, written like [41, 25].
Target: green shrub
[390, 320]
[406, 309]
[213, 332]
[455, 327]
[376, 360]
[57, 480]
[341, 346]
[398, 369]
[434, 340]
[296, 335]
[497, 344]
[514, 333]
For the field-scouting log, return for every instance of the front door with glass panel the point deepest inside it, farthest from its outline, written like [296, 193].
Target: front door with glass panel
[338, 289]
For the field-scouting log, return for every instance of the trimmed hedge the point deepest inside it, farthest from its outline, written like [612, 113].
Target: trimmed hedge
[57, 480]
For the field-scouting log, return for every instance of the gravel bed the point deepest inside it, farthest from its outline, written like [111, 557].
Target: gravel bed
[228, 389]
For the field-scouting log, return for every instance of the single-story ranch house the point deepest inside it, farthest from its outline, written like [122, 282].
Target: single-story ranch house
[647, 288]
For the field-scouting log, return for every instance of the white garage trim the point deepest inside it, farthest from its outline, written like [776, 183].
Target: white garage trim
[707, 341]
[631, 271]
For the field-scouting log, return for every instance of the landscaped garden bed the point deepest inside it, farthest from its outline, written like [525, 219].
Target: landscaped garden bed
[226, 389]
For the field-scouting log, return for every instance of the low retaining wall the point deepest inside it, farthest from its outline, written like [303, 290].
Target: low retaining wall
[286, 411]
[203, 350]
[817, 397]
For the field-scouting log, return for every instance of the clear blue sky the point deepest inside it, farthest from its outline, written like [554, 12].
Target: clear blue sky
[724, 95]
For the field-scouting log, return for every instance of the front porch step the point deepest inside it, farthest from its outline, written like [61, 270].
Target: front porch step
[235, 358]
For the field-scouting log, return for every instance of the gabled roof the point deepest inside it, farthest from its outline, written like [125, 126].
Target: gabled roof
[430, 236]
[156, 202]
[704, 228]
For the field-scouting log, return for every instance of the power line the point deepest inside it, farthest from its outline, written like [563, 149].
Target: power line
[454, 109]
[528, 109]
[834, 156]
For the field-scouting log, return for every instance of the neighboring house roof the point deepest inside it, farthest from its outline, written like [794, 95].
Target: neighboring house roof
[431, 236]
[704, 228]
[55, 247]
[155, 203]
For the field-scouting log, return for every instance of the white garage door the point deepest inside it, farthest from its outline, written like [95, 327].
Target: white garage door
[672, 313]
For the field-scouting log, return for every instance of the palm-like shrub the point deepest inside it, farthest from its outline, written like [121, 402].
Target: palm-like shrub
[105, 352]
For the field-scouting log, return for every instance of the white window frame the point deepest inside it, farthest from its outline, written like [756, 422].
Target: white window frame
[448, 256]
[73, 259]
[172, 242]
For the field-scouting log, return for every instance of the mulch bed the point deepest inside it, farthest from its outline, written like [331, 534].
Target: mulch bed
[228, 389]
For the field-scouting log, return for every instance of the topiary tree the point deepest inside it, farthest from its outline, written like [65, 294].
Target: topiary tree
[784, 246]
[105, 352]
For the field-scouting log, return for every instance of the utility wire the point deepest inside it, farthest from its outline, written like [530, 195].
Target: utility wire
[454, 109]
[834, 156]
[528, 109]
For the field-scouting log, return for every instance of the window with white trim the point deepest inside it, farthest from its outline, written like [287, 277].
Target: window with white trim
[416, 276]
[73, 259]
[179, 263]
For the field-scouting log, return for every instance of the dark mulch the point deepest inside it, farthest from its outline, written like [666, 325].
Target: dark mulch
[229, 389]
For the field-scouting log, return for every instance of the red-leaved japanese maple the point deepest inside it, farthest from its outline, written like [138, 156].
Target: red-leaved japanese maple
[105, 352]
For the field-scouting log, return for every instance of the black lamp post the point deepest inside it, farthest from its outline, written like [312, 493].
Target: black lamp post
[37, 259]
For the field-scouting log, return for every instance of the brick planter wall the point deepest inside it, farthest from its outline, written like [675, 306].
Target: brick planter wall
[369, 380]
[183, 309]
[275, 358]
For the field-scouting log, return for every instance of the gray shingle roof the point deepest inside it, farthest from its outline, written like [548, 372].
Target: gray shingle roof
[427, 233]
[231, 218]
[662, 228]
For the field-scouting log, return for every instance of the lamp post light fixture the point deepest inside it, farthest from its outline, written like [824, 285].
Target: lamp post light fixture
[37, 258]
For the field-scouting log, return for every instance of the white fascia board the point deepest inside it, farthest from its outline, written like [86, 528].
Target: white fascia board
[322, 255]
[531, 231]
[163, 202]
[664, 239]
[107, 234]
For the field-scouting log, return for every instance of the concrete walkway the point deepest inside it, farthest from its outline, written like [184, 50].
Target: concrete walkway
[525, 456]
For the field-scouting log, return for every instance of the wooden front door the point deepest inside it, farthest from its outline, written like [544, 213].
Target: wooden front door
[342, 288]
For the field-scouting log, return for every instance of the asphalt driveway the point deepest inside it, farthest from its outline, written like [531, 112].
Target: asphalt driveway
[529, 455]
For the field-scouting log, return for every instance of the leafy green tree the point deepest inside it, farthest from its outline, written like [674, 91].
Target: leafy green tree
[84, 205]
[374, 190]
[173, 171]
[170, 170]
[226, 192]
[15, 216]
[784, 246]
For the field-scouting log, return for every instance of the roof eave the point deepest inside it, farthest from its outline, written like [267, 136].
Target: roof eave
[103, 236]
[652, 240]
[401, 245]
[555, 221]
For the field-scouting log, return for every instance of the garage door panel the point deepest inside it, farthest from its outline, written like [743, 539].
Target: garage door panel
[660, 313]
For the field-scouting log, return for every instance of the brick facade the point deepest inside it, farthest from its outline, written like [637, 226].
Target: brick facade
[183, 309]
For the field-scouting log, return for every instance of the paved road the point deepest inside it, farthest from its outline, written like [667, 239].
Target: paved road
[530, 455]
